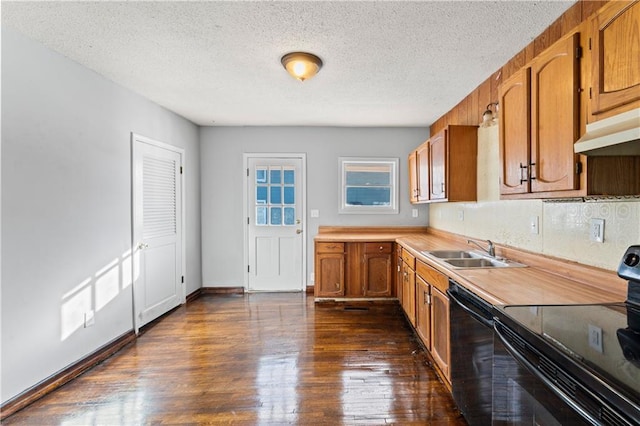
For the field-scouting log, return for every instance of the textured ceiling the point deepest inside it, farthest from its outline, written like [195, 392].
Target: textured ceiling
[385, 63]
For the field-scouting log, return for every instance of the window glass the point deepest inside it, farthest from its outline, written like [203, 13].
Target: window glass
[289, 195]
[368, 185]
[261, 195]
[261, 175]
[261, 215]
[289, 177]
[275, 176]
[276, 195]
[289, 216]
[276, 215]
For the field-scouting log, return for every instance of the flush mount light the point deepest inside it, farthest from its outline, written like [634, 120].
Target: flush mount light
[301, 65]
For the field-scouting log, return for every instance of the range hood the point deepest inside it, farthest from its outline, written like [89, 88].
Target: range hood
[617, 135]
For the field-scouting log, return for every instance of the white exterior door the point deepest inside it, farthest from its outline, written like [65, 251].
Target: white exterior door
[275, 228]
[157, 229]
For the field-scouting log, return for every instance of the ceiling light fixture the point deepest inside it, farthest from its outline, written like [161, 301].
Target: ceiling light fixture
[301, 65]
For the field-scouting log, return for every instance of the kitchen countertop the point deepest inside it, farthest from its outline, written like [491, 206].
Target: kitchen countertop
[544, 281]
[532, 285]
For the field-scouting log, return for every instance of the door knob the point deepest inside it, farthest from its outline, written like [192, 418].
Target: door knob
[298, 231]
[142, 246]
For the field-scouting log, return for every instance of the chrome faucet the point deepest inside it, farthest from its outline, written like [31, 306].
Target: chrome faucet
[490, 248]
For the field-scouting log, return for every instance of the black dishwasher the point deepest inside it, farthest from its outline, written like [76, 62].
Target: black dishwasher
[471, 320]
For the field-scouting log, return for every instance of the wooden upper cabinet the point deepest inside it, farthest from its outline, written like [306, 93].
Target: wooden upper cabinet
[438, 166]
[419, 174]
[540, 122]
[413, 177]
[615, 55]
[422, 162]
[515, 104]
[555, 116]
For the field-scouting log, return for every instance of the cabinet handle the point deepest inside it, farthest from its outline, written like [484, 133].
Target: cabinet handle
[442, 184]
[524, 169]
[381, 248]
[337, 285]
[531, 170]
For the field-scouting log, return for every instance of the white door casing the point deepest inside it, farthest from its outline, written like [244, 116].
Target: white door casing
[158, 233]
[274, 207]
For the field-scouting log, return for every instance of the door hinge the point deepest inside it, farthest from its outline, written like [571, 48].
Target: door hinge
[248, 270]
[247, 220]
[578, 52]
[589, 43]
[182, 281]
[247, 172]
[589, 92]
[578, 167]
[180, 169]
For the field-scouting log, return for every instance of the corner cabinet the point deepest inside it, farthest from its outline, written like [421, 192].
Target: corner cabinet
[615, 56]
[354, 269]
[445, 166]
[540, 122]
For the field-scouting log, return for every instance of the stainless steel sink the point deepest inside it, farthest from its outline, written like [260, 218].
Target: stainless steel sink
[461, 259]
[476, 263]
[449, 254]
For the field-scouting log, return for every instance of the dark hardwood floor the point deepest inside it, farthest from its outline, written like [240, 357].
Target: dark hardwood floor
[259, 359]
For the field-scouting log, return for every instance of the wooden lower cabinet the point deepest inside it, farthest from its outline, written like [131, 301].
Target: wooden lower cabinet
[358, 269]
[329, 269]
[433, 326]
[423, 311]
[409, 286]
[399, 274]
[440, 331]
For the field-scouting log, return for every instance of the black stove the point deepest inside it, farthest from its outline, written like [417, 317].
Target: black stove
[588, 354]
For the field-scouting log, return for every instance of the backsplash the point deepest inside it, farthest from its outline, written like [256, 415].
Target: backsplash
[563, 227]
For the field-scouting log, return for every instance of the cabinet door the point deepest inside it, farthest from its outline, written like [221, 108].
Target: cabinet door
[377, 274]
[514, 133]
[555, 117]
[423, 311]
[440, 331]
[413, 177]
[615, 56]
[438, 166]
[330, 274]
[399, 273]
[422, 164]
[409, 294]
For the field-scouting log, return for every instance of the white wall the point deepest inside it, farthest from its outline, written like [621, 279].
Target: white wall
[222, 178]
[66, 209]
[563, 226]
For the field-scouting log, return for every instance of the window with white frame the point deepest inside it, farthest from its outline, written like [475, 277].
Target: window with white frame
[368, 185]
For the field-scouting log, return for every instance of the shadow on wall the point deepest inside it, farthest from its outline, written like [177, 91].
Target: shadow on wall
[94, 293]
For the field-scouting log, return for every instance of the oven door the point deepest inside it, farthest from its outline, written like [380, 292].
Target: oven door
[520, 397]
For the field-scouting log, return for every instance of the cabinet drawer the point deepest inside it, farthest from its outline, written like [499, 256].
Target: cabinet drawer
[330, 247]
[409, 259]
[378, 248]
[433, 277]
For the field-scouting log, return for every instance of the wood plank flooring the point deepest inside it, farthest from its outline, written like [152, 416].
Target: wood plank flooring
[266, 359]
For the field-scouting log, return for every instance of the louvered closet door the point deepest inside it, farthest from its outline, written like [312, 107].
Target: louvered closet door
[157, 231]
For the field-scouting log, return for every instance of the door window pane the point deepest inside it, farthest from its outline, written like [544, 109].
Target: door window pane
[261, 215]
[261, 195]
[289, 195]
[289, 177]
[289, 216]
[261, 175]
[275, 176]
[276, 195]
[276, 215]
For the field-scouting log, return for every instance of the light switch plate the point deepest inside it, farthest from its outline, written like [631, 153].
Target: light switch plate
[414, 212]
[315, 213]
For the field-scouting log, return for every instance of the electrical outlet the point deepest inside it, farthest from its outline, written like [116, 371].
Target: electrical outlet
[89, 318]
[414, 212]
[460, 215]
[595, 338]
[596, 230]
[534, 225]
